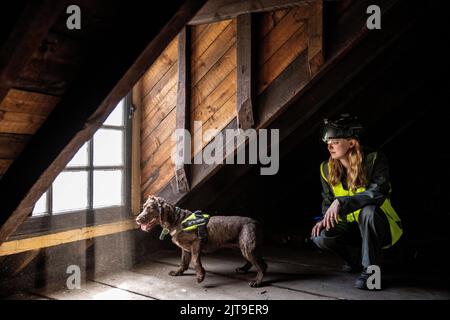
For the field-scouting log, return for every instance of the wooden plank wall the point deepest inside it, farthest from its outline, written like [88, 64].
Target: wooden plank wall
[21, 115]
[159, 98]
[281, 36]
[213, 95]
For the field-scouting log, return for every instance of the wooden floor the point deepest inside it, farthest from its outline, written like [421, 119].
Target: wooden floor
[292, 275]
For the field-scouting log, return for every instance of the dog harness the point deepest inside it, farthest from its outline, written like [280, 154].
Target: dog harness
[197, 221]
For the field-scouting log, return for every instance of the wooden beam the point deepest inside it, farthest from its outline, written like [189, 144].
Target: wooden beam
[136, 149]
[245, 79]
[69, 126]
[183, 111]
[216, 10]
[50, 240]
[30, 30]
[315, 37]
[283, 89]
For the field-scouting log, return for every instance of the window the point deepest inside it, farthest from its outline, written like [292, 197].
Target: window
[94, 187]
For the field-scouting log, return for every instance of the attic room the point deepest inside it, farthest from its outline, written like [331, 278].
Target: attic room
[111, 111]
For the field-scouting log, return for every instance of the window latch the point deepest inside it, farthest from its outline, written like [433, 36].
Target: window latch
[131, 111]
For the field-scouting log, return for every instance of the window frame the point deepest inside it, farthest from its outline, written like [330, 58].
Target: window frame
[62, 221]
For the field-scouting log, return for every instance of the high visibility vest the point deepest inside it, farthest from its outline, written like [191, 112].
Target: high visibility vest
[386, 207]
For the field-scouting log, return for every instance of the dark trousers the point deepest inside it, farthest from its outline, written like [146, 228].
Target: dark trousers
[358, 242]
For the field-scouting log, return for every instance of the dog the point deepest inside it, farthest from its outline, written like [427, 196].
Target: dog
[222, 232]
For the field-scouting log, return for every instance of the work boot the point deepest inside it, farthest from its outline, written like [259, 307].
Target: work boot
[361, 282]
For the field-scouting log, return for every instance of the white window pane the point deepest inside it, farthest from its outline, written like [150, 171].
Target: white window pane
[70, 191]
[108, 147]
[107, 188]
[80, 158]
[40, 207]
[116, 116]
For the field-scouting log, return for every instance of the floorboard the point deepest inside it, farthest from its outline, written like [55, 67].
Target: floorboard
[293, 274]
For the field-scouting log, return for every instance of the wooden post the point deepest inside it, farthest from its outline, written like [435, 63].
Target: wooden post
[245, 77]
[183, 147]
[136, 149]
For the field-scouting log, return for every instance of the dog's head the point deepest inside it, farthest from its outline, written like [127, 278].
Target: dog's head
[155, 211]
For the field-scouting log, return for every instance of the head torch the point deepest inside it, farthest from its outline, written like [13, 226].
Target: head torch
[345, 127]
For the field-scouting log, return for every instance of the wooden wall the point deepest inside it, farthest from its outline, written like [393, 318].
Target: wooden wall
[280, 37]
[213, 97]
[213, 82]
[159, 95]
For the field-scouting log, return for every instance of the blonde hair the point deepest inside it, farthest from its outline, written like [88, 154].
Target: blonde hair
[356, 176]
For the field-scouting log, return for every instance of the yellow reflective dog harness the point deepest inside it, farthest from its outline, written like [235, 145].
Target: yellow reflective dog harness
[197, 221]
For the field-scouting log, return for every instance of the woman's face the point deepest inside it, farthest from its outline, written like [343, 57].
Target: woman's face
[339, 148]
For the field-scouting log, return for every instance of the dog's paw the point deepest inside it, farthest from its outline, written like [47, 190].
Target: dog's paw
[254, 284]
[175, 273]
[200, 278]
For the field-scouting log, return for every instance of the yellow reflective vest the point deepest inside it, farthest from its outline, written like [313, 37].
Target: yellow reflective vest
[339, 191]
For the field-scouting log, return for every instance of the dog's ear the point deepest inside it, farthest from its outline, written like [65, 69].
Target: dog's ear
[167, 212]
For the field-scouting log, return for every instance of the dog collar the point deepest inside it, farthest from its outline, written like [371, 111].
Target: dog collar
[163, 234]
[165, 231]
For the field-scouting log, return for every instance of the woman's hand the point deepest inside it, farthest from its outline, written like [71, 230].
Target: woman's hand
[317, 228]
[332, 215]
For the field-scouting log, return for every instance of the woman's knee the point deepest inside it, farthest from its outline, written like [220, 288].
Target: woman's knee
[368, 213]
[323, 241]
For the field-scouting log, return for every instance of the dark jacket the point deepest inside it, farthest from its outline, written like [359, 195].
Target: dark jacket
[377, 189]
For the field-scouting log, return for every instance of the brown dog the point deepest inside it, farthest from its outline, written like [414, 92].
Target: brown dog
[223, 232]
